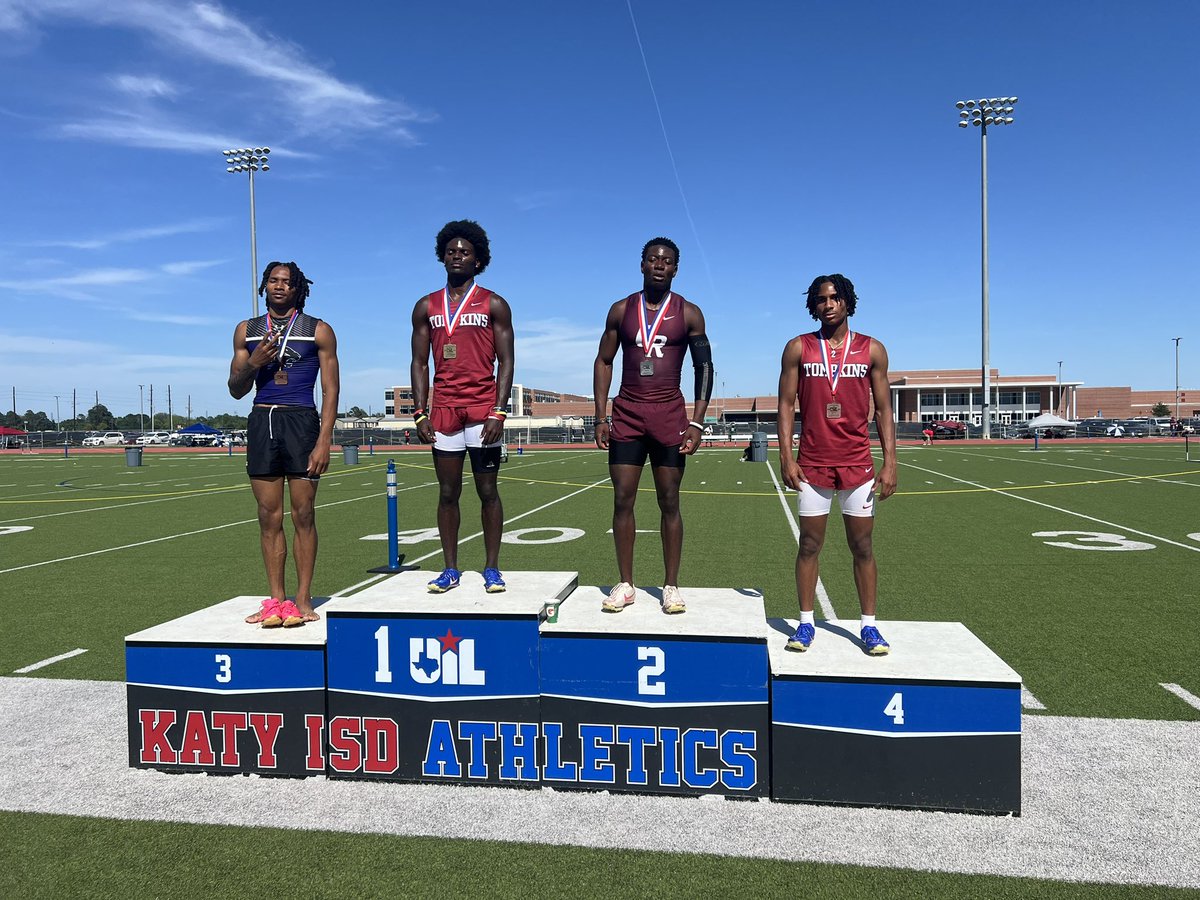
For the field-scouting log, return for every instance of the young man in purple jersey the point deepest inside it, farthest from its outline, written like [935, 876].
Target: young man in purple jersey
[654, 328]
[281, 355]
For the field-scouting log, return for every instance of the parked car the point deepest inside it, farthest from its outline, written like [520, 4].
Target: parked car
[233, 439]
[107, 439]
[192, 440]
[948, 429]
[154, 437]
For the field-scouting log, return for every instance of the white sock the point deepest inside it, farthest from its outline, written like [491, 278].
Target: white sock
[866, 620]
[806, 618]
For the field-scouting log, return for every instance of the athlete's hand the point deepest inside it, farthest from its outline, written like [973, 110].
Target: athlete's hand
[265, 351]
[493, 431]
[602, 435]
[691, 440]
[318, 460]
[425, 432]
[793, 475]
[885, 482]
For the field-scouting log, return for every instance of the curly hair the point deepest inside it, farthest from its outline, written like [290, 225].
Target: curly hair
[661, 242]
[471, 232]
[295, 276]
[844, 287]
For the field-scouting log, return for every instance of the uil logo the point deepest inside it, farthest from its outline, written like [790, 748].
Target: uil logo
[656, 346]
[448, 659]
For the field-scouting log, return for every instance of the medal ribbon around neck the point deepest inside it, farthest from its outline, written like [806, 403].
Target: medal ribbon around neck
[287, 333]
[649, 334]
[830, 373]
[452, 323]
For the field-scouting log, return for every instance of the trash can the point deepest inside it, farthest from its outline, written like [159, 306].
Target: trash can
[133, 456]
[758, 446]
[350, 454]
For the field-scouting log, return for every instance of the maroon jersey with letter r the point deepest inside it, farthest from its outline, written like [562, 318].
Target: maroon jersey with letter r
[666, 352]
[468, 376]
[826, 439]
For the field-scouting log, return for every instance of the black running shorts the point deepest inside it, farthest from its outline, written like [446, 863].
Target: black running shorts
[279, 440]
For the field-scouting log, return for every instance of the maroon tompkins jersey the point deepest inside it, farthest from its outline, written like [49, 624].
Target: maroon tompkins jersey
[844, 440]
[666, 351]
[468, 376]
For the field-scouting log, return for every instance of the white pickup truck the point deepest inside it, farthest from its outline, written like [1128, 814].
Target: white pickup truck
[108, 439]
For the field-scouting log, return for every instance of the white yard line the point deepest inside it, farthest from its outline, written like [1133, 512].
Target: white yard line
[48, 662]
[822, 595]
[1028, 701]
[171, 537]
[1060, 509]
[1062, 465]
[1183, 694]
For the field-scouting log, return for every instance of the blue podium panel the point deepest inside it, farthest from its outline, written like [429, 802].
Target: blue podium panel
[645, 702]
[936, 724]
[438, 687]
[208, 693]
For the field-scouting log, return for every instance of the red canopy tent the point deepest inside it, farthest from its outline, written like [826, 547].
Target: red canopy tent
[5, 431]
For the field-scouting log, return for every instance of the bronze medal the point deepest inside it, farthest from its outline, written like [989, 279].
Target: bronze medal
[450, 351]
[281, 377]
[647, 367]
[833, 410]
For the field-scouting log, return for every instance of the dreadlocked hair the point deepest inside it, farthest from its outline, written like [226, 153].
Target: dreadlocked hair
[295, 276]
[471, 232]
[844, 287]
[661, 242]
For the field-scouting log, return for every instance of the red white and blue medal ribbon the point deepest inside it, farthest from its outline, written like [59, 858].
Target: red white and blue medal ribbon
[452, 322]
[287, 332]
[833, 371]
[649, 334]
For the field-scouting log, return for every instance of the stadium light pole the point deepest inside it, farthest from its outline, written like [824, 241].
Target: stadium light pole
[250, 160]
[141, 410]
[1177, 340]
[1060, 396]
[981, 114]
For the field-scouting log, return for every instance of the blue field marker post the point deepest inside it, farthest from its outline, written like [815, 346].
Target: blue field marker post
[394, 557]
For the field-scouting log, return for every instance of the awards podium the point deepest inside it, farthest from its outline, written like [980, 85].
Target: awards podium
[438, 687]
[538, 687]
[654, 703]
[936, 724]
[208, 693]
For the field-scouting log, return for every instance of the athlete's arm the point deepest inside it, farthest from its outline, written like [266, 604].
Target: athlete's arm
[702, 363]
[331, 387]
[245, 363]
[418, 370]
[502, 336]
[789, 384]
[881, 392]
[602, 369]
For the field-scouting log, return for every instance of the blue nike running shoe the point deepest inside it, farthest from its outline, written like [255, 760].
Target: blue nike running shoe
[874, 642]
[492, 582]
[803, 638]
[447, 581]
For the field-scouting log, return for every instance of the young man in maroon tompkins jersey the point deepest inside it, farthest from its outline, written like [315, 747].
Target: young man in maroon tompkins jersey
[469, 329]
[281, 355]
[833, 375]
[654, 328]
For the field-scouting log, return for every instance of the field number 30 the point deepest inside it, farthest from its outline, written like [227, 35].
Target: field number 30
[1093, 540]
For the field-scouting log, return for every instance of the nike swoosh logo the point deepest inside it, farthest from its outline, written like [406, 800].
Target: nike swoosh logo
[668, 318]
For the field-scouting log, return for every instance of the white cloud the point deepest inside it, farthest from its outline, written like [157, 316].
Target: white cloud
[132, 235]
[549, 353]
[144, 85]
[190, 267]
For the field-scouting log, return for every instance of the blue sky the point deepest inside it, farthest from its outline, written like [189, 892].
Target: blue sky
[806, 137]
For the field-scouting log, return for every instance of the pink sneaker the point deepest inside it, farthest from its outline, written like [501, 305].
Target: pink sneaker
[268, 615]
[291, 614]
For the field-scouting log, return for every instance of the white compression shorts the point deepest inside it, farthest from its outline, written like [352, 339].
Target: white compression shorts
[458, 441]
[817, 501]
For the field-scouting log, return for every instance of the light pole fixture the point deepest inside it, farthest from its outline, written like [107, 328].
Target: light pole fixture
[1177, 340]
[1060, 405]
[981, 114]
[141, 410]
[250, 160]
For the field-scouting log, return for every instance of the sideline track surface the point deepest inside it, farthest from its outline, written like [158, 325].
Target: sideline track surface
[1104, 800]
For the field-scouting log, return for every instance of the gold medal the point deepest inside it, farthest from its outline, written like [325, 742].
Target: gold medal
[647, 367]
[833, 410]
[281, 377]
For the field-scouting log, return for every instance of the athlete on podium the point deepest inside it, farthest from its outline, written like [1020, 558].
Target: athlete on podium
[654, 328]
[281, 355]
[833, 374]
[469, 329]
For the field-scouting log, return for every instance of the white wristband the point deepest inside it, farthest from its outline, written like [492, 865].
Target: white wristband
[696, 425]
